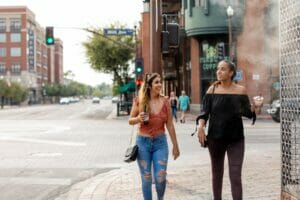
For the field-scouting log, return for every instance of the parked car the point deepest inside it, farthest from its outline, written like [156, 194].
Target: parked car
[64, 100]
[274, 111]
[115, 99]
[96, 100]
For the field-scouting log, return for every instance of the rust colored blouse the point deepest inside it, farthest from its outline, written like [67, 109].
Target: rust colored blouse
[157, 121]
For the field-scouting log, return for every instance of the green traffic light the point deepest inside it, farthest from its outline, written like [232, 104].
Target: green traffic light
[138, 70]
[50, 40]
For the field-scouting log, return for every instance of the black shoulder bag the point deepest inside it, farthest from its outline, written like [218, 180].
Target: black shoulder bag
[132, 151]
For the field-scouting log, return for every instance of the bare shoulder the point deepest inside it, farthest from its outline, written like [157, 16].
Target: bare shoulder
[210, 89]
[240, 89]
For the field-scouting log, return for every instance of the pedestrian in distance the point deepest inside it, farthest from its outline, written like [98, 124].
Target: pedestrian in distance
[224, 104]
[184, 102]
[174, 104]
[258, 103]
[152, 112]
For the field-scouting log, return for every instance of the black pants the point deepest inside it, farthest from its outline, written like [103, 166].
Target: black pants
[235, 154]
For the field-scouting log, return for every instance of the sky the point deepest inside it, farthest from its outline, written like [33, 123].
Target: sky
[88, 13]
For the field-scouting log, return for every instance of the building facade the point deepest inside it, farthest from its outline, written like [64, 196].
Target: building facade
[207, 33]
[23, 52]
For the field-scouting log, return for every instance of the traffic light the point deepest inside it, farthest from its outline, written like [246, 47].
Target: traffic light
[221, 51]
[173, 39]
[138, 83]
[49, 36]
[139, 66]
[165, 42]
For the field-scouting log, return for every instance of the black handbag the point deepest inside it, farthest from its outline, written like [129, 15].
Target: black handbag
[131, 154]
[132, 151]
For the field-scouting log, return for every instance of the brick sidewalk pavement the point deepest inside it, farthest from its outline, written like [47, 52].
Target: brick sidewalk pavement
[189, 178]
[261, 181]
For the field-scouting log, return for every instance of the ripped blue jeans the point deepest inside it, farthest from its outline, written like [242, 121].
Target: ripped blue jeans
[153, 153]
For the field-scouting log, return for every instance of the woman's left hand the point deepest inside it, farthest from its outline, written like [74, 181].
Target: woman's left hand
[252, 108]
[176, 152]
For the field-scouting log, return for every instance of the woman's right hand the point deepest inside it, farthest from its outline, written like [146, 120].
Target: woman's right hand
[201, 135]
[141, 117]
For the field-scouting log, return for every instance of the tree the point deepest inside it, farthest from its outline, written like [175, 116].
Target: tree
[3, 91]
[17, 93]
[108, 57]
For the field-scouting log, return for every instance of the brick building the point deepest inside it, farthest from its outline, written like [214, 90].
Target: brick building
[23, 52]
[204, 26]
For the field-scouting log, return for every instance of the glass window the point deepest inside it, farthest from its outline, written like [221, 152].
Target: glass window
[16, 51]
[2, 25]
[2, 52]
[2, 37]
[2, 68]
[15, 37]
[15, 25]
[15, 68]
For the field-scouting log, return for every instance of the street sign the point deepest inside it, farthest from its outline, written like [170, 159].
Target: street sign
[239, 75]
[117, 31]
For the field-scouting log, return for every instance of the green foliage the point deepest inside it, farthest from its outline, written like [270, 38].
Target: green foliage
[96, 93]
[53, 90]
[105, 89]
[3, 88]
[108, 57]
[17, 93]
[76, 89]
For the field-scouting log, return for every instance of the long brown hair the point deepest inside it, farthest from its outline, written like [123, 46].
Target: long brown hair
[144, 92]
[232, 68]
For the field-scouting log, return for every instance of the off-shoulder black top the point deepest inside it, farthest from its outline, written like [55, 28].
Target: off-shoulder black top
[224, 112]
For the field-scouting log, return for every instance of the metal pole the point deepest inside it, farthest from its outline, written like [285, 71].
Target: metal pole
[230, 38]
[136, 52]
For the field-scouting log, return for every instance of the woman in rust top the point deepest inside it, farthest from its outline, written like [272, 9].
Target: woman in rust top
[152, 112]
[224, 105]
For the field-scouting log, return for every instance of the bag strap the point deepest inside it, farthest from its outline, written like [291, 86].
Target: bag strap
[133, 136]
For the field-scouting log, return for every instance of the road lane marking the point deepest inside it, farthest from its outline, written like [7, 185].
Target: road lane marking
[46, 154]
[32, 140]
[40, 129]
[34, 181]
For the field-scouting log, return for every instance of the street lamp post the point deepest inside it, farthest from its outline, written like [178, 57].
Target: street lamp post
[230, 13]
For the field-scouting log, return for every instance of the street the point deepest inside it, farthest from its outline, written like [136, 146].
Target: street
[48, 151]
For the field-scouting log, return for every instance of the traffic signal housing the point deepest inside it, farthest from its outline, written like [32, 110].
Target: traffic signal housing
[139, 66]
[49, 36]
[138, 82]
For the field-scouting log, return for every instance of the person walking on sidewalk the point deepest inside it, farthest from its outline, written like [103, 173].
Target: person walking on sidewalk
[152, 112]
[224, 105]
[184, 102]
[174, 104]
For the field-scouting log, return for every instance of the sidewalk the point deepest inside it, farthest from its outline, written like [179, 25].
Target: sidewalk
[189, 178]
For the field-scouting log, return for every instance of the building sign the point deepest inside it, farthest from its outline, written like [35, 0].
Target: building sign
[31, 50]
[210, 58]
[255, 77]
[239, 75]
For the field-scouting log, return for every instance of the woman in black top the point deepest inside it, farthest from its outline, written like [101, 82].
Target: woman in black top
[224, 105]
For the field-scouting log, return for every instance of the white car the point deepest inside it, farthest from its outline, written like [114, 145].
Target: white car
[96, 100]
[115, 99]
[64, 100]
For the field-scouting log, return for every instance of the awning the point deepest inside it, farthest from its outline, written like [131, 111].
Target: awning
[128, 87]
